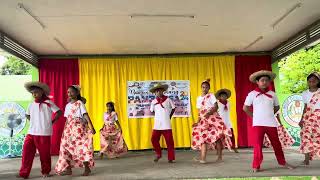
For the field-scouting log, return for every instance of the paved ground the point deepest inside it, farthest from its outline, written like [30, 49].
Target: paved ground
[139, 165]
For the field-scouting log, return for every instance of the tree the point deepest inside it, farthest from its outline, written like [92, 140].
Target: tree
[15, 66]
[295, 68]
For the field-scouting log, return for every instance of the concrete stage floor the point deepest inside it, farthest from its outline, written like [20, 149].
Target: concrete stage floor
[140, 165]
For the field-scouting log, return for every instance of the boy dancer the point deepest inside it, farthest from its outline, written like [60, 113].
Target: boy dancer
[38, 138]
[224, 111]
[164, 109]
[265, 104]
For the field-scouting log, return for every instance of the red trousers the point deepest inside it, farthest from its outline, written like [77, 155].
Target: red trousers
[156, 134]
[31, 144]
[272, 133]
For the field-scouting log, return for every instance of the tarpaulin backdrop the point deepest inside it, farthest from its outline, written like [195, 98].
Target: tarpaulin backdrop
[105, 79]
[139, 97]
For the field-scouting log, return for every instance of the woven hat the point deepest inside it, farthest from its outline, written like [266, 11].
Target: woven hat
[77, 87]
[253, 77]
[159, 86]
[317, 75]
[40, 85]
[227, 91]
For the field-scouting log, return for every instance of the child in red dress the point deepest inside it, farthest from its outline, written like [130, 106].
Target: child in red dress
[111, 140]
[76, 148]
[310, 122]
[209, 132]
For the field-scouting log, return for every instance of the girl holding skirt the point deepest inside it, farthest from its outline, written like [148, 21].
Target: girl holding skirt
[210, 132]
[310, 123]
[76, 148]
[111, 140]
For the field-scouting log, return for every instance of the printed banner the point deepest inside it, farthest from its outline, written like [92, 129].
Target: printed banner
[139, 97]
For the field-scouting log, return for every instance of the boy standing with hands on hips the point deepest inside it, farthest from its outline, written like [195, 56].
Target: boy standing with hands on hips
[265, 104]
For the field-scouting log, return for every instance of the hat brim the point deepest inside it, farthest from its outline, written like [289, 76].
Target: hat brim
[164, 86]
[254, 76]
[315, 74]
[40, 85]
[227, 91]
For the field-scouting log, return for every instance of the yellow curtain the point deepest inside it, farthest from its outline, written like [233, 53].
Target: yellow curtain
[105, 79]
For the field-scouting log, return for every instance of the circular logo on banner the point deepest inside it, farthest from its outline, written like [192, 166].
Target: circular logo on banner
[12, 117]
[292, 110]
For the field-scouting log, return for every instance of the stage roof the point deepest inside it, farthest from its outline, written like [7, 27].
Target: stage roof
[154, 27]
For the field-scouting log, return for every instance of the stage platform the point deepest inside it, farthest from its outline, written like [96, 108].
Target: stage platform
[140, 165]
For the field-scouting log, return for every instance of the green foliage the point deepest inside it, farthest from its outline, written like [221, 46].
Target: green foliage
[295, 68]
[15, 66]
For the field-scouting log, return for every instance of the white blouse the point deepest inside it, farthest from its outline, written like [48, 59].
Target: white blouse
[307, 95]
[208, 104]
[79, 113]
[107, 118]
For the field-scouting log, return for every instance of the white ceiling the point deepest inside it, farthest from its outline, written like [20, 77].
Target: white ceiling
[105, 27]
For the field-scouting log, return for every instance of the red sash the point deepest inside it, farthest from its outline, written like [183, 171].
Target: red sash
[42, 101]
[261, 92]
[160, 100]
[225, 103]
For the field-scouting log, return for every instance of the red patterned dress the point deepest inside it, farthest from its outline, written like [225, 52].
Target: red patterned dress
[76, 143]
[111, 140]
[209, 130]
[310, 132]
[285, 138]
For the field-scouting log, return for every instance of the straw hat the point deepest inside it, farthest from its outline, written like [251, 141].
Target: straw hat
[227, 91]
[317, 75]
[40, 85]
[254, 76]
[159, 86]
[77, 87]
